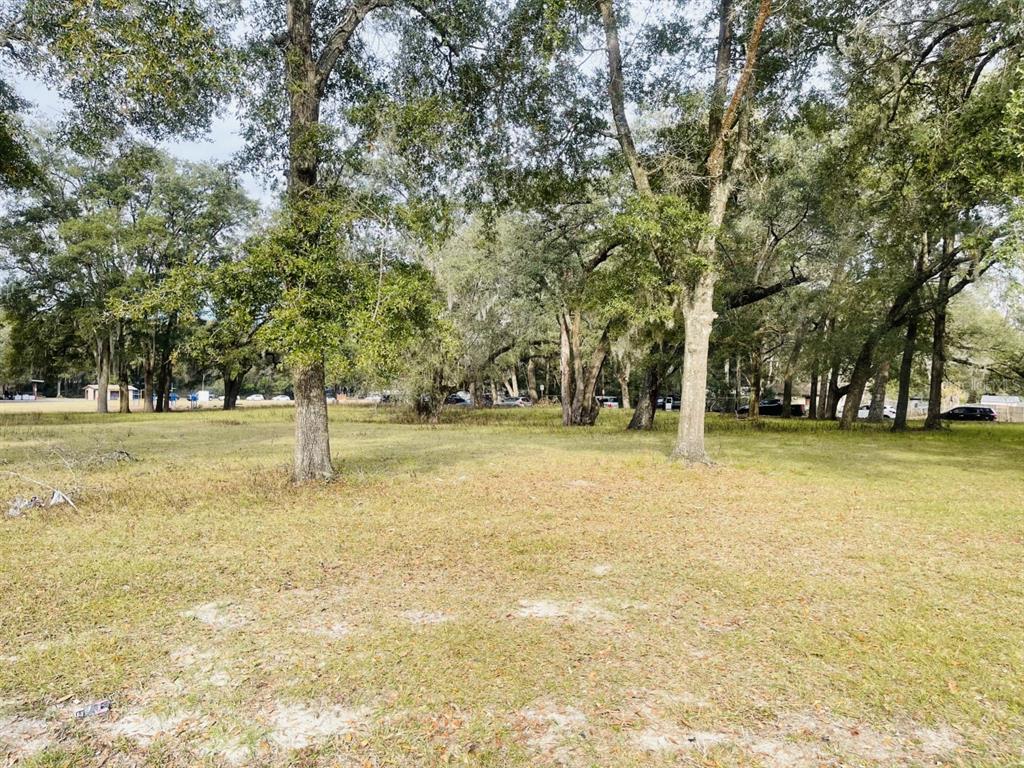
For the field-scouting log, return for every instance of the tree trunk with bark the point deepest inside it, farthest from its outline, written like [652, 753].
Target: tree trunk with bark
[168, 376]
[812, 404]
[698, 317]
[623, 378]
[860, 376]
[513, 383]
[312, 446]
[938, 371]
[531, 380]
[580, 377]
[124, 393]
[876, 411]
[123, 381]
[754, 401]
[899, 423]
[565, 370]
[148, 374]
[787, 383]
[163, 366]
[103, 355]
[647, 399]
[830, 402]
[232, 389]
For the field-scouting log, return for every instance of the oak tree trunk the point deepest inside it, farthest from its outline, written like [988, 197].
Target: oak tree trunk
[647, 399]
[858, 382]
[312, 446]
[624, 385]
[232, 388]
[148, 376]
[168, 374]
[787, 398]
[876, 411]
[754, 403]
[787, 383]
[899, 423]
[699, 315]
[938, 371]
[828, 399]
[124, 394]
[812, 404]
[123, 391]
[147, 386]
[531, 380]
[102, 370]
[565, 369]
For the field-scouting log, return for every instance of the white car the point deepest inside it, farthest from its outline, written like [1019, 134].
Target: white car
[888, 412]
[255, 397]
[282, 398]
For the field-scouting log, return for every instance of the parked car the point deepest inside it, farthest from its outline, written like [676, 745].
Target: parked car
[458, 399]
[970, 413]
[888, 412]
[282, 398]
[255, 397]
[607, 401]
[772, 407]
[513, 402]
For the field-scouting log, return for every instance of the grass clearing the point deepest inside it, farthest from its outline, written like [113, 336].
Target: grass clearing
[498, 591]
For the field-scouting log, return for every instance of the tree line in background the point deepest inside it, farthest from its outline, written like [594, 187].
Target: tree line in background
[698, 199]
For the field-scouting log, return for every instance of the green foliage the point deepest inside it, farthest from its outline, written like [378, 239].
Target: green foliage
[339, 301]
[664, 228]
[162, 67]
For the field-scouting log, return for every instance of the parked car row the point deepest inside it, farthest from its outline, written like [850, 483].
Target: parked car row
[767, 407]
[464, 400]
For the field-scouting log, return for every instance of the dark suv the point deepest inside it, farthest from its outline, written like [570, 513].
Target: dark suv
[970, 413]
[772, 407]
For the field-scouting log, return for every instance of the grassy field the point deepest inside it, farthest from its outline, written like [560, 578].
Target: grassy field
[499, 591]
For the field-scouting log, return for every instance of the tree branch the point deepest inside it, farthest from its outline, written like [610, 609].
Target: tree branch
[758, 293]
[340, 36]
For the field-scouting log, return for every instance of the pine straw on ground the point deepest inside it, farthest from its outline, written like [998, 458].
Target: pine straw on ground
[498, 591]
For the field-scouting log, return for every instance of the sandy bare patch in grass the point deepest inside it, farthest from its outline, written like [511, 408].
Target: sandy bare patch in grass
[601, 569]
[219, 614]
[551, 730]
[581, 610]
[668, 738]
[803, 740]
[143, 728]
[937, 742]
[807, 738]
[205, 665]
[844, 736]
[191, 655]
[296, 726]
[22, 737]
[422, 618]
[318, 612]
[330, 628]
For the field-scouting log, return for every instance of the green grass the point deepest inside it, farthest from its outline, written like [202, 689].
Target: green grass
[817, 596]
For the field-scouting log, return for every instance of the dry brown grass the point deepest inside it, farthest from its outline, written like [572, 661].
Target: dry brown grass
[502, 592]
